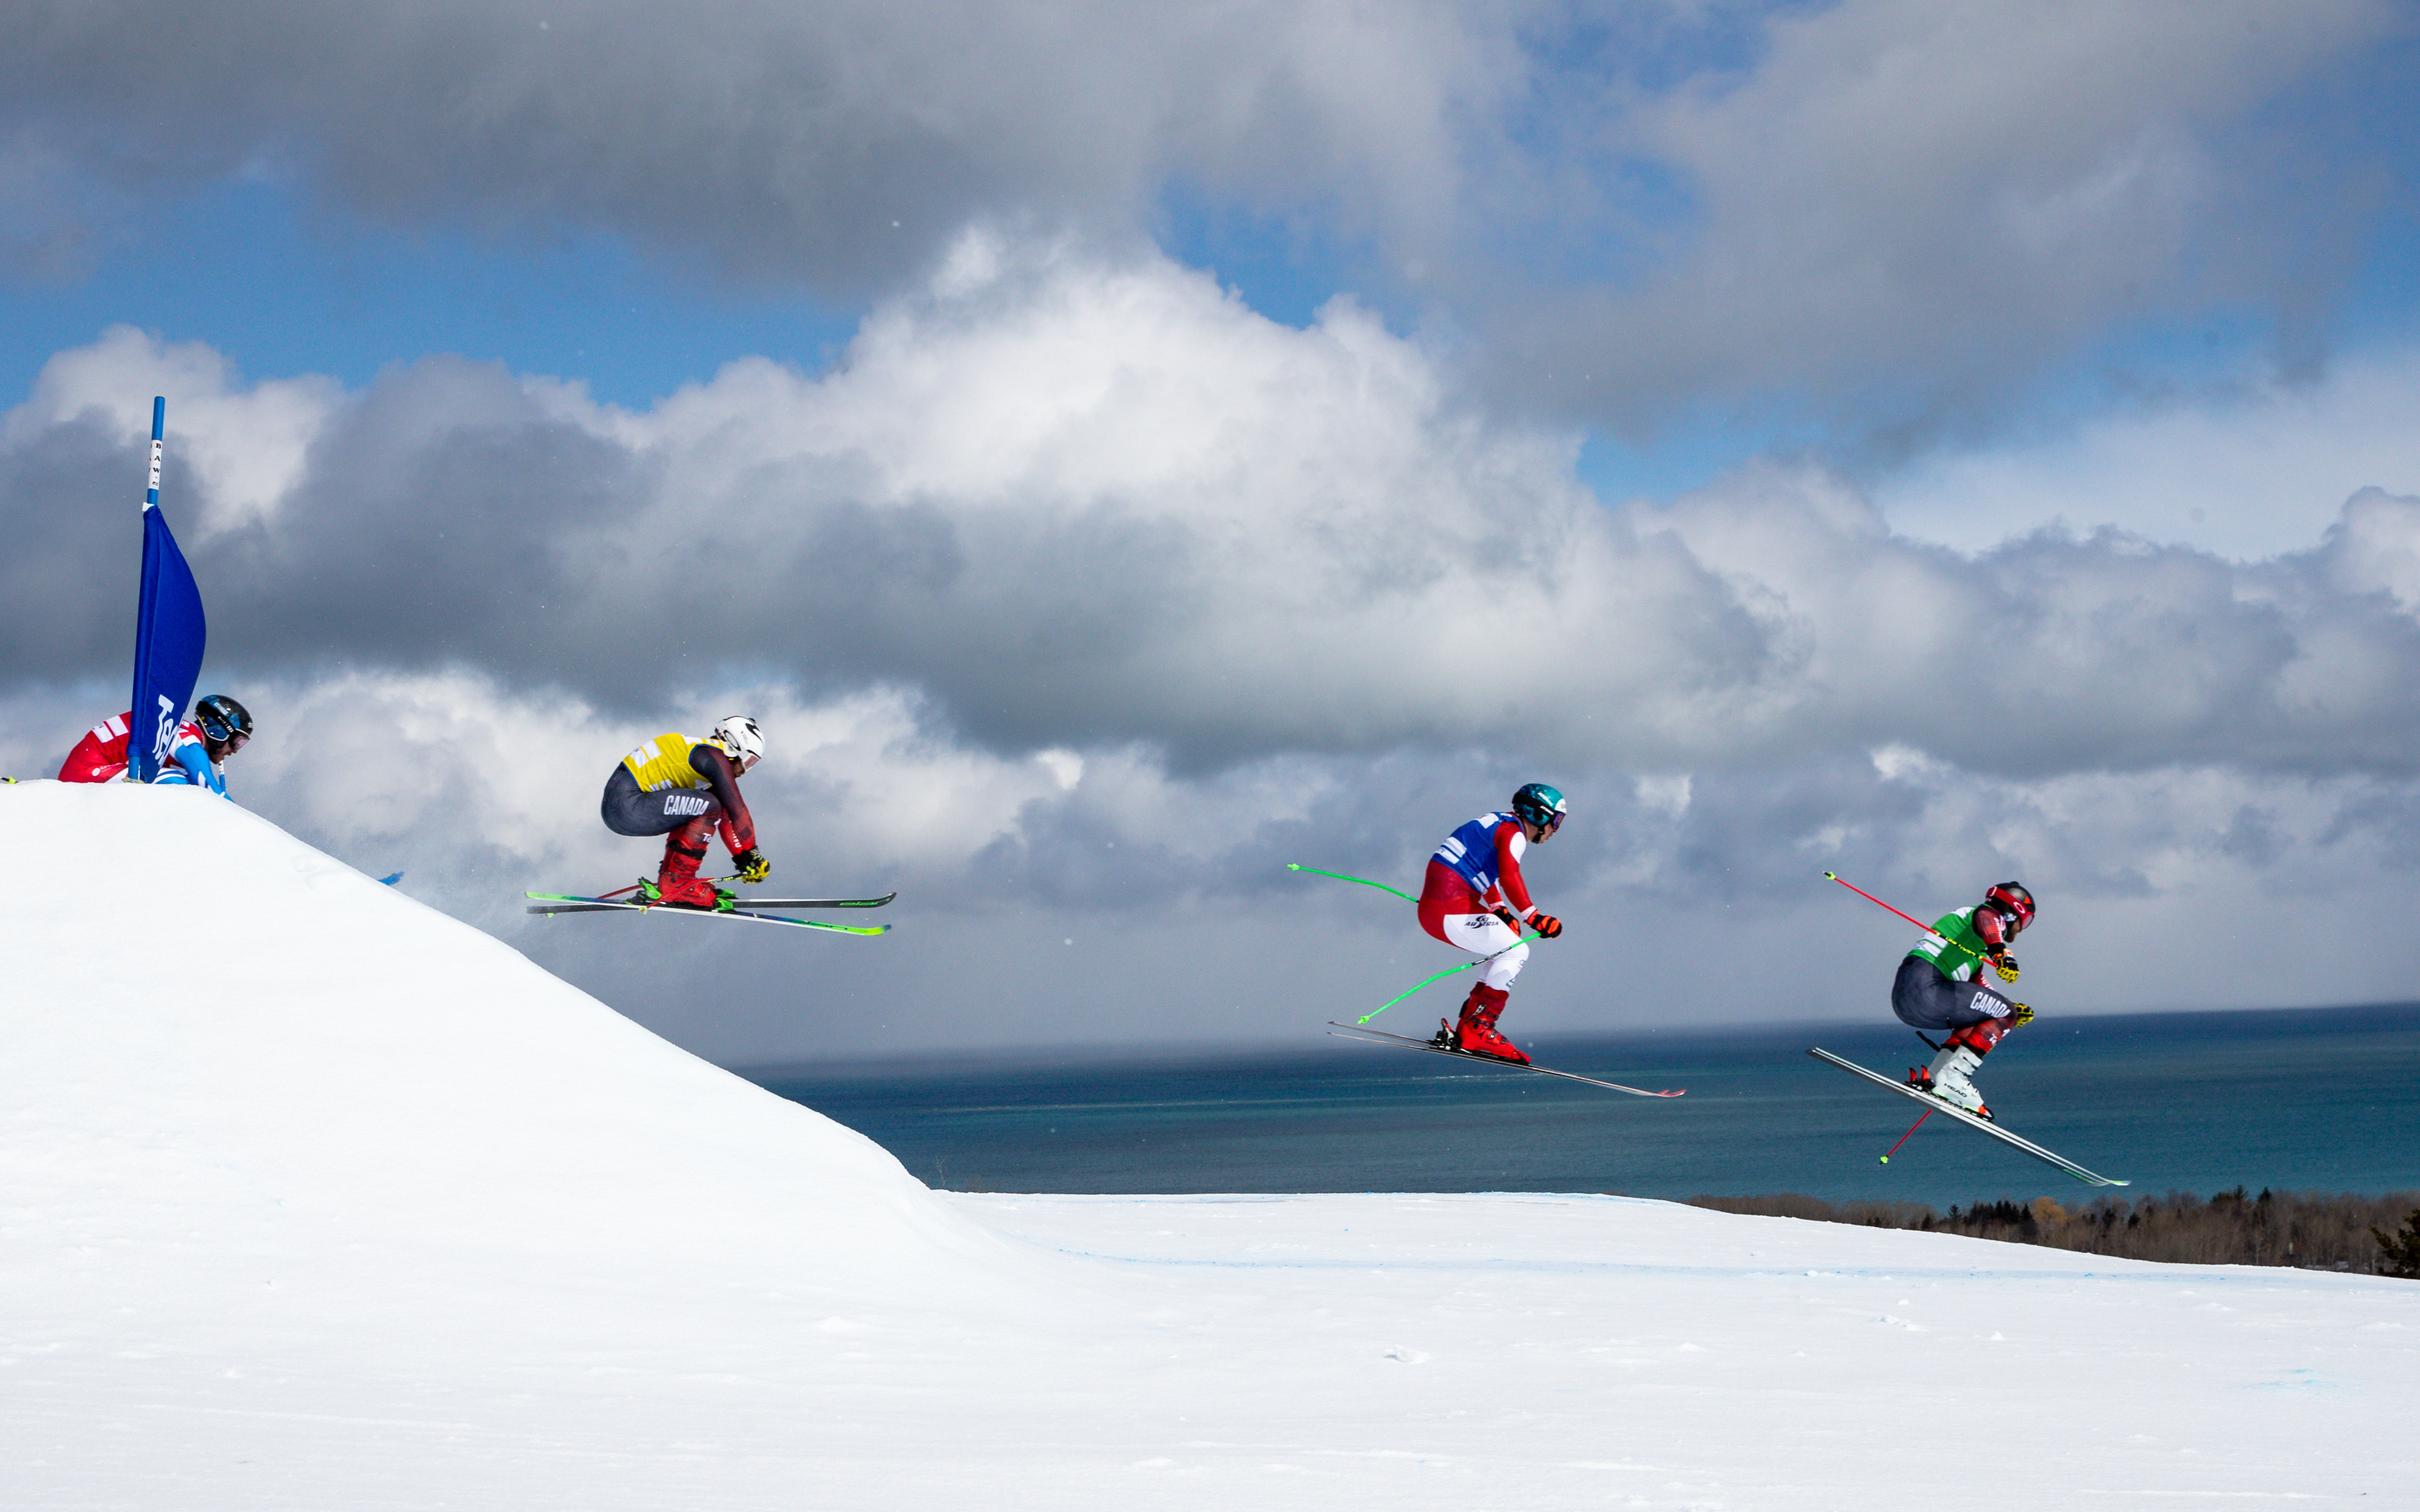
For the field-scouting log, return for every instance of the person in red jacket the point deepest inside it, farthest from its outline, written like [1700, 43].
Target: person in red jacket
[220, 727]
[1468, 899]
[101, 755]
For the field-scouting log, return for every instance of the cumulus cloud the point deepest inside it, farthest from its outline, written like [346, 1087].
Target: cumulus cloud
[2247, 469]
[1079, 599]
[1077, 503]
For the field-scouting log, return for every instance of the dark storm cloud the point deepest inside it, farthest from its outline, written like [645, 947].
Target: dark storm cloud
[1897, 209]
[75, 543]
[823, 142]
[1879, 213]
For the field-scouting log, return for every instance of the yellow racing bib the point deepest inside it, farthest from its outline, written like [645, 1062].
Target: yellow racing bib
[663, 762]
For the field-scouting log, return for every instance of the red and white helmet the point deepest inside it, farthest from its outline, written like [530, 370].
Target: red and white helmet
[2011, 902]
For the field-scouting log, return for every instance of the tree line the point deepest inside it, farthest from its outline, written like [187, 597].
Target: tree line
[2312, 1230]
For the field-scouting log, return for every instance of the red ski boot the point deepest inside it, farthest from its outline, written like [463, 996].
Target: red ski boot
[1476, 1033]
[677, 883]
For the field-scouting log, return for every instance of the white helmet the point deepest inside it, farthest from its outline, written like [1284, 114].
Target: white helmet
[742, 740]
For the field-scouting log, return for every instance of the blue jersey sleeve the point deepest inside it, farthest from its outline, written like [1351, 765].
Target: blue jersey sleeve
[188, 765]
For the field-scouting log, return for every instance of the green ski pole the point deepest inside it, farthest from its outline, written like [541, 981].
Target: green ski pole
[1441, 976]
[1364, 881]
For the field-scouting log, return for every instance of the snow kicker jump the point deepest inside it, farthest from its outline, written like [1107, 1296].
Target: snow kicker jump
[1949, 1109]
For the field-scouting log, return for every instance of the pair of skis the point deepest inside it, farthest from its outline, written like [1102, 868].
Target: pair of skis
[1356, 1033]
[1952, 1110]
[556, 902]
[1935, 1104]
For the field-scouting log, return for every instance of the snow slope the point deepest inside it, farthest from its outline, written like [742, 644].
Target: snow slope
[313, 1198]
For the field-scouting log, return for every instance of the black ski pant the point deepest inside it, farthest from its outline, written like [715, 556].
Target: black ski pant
[1923, 997]
[630, 809]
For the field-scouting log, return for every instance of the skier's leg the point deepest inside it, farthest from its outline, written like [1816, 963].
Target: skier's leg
[686, 817]
[628, 808]
[1484, 934]
[1977, 1020]
[1975, 1015]
[677, 879]
[1921, 997]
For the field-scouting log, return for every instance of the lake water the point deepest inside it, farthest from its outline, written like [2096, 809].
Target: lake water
[2325, 1100]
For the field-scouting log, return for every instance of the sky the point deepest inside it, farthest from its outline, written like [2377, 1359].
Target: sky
[1116, 452]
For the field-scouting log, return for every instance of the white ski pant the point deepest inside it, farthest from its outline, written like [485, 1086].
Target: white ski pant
[1486, 934]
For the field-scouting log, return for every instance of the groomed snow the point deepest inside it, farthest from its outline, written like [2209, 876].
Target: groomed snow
[313, 1198]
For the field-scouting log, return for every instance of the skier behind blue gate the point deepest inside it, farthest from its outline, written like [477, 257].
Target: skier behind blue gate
[685, 790]
[1473, 886]
[1939, 986]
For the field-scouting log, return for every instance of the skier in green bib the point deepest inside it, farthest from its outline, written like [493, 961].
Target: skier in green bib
[1940, 987]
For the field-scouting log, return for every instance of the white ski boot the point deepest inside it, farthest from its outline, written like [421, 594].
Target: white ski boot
[1951, 1078]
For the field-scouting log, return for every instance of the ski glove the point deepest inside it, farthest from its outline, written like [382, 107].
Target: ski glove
[2004, 963]
[2019, 1013]
[1546, 924]
[750, 866]
[1511, 921]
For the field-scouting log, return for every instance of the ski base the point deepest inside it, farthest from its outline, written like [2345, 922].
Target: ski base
[555, 903]
[1952, 1110]
[1355, 1032]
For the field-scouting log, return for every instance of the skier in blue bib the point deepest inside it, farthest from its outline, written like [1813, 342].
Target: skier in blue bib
[1475, 898]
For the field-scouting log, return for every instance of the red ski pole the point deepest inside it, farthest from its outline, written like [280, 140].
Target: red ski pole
[1911, 918]
[1911, 1130]
[1879, 903]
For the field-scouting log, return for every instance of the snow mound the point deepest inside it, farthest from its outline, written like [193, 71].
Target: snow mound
[230, 1040]
[313, 1198]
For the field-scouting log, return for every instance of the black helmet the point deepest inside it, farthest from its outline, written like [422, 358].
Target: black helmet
[223, 719]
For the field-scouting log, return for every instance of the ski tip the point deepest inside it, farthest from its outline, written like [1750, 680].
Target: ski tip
[390, 879]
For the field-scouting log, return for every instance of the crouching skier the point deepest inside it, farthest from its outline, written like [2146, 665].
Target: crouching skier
[685, 790]
[1463, 901]
[1939, 987]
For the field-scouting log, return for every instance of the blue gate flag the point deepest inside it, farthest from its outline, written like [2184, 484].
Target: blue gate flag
[168, 629]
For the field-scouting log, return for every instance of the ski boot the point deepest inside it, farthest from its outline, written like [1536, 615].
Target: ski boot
[1950, 1077]
[697, 895]
[1476, 1033]
[677, 883]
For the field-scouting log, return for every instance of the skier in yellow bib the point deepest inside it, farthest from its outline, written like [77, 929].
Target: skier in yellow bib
[685, 790]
